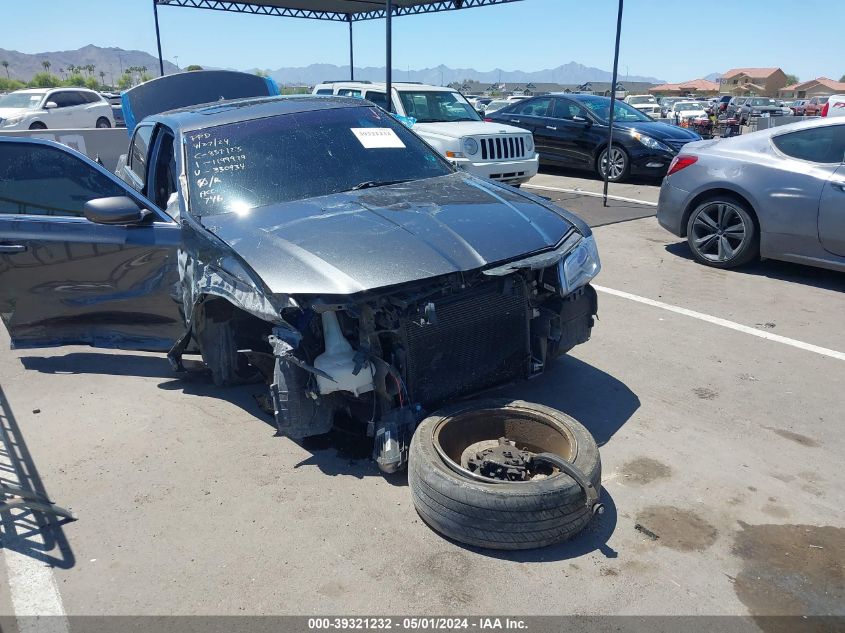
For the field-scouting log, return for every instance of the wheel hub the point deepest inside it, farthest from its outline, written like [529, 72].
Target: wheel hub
[504, 462]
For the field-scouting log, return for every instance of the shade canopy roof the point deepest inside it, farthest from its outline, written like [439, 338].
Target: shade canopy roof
[337, 10]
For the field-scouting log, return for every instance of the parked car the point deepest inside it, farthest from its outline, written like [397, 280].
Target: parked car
[722, 104]
[646, 104]
[777, 193]
[571, 131]
[756, 107]
[481, 104]
[448, 123]
[54, 108]
[666, 103]
[496, 105]
[814, 106]
[682, 111]
[316, 242]
[835, 106]
[798, 107]
[734, 105]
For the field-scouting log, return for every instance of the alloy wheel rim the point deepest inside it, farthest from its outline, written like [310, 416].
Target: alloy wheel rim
[617, 163]
[719, 232]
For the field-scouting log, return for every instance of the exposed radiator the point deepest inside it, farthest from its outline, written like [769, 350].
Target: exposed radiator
[480, 339]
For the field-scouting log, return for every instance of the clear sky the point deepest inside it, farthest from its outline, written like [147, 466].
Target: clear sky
[669, 39]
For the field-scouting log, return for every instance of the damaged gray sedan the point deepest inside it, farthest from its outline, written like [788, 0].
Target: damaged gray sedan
[316, 243]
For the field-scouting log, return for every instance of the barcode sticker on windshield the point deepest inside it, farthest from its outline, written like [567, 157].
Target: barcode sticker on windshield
[377, 137]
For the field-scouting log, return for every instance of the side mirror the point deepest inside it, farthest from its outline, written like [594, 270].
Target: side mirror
[580, 119]
[51, 105]
[116, 210]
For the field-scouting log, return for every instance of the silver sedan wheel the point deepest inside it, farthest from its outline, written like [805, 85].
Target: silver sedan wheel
[618, 163]
[719, 232]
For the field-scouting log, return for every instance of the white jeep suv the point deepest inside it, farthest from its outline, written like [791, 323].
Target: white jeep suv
[644, 103]
[451, 125]
[54, 108]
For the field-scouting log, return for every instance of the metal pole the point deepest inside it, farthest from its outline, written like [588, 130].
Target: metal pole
[613, 99]
[351, 54]
[389, 55]
[158, 40]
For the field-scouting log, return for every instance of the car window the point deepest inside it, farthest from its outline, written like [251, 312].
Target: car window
[429, 106]
[379, 98]
[66, 98]
[27, 100]
[249, 164]
[44, 180]
[349, 92]
[91, 97]
[600, 107]
[164, 178]
[324, 91]
[138, 151]
[531, 107]
[564, 109]
[818, 145]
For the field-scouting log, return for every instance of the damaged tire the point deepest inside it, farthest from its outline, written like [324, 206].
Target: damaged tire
[464, 488]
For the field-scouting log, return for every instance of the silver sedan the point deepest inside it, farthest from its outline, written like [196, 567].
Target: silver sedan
[777, 194]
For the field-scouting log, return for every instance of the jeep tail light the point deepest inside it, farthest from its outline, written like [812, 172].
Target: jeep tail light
[680, 162]
[826, 108]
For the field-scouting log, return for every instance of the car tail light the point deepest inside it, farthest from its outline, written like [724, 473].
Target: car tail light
[488, 120]
[826, 108]
[681, 162]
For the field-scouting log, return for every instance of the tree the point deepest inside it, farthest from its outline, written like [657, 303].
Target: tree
[193, 67]
[124, 81]
[7, 85]
[842, 79]
[5, 65]
[44, 80]
[46, 64]
[792, 79]
[75, 80]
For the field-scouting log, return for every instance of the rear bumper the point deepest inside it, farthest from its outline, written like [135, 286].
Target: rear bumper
[512, 172]
[653, 163]
[671, 207]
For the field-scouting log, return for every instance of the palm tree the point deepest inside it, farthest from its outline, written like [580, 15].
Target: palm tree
[46, 64]
[62, 72]
[90, 68]
[102, 74]
[71, 68]
[5, 65]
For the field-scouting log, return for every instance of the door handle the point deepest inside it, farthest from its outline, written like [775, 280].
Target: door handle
[840, 186]
[516, 121]
[12, 248]
[551, 127]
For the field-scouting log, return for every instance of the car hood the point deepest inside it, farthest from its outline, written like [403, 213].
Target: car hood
[659, 131]
[362, 240]
[467, 128]
[5, 113]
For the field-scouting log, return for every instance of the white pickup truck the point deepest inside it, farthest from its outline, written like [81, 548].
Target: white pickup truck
[451, 125]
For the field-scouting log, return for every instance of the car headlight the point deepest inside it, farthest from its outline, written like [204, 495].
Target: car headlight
[12, 120]
[580, 266]
[529, 143]
[470, 146]
[651, 143]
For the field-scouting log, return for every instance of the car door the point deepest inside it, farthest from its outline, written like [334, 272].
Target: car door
[529, 114]
[832, 213]
[61, 117]
[65, 279]
[568, 132]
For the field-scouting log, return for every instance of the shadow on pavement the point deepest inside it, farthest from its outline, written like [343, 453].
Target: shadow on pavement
[28, 532]
[554, 170]
[774, 269]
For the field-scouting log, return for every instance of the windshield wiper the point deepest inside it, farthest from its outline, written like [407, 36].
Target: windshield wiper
[369, 184]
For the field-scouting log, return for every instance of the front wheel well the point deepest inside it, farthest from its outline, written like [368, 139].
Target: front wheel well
[712, 194]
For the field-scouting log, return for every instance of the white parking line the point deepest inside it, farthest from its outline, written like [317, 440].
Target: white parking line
[725, 323]
[590, 194]
[35, 596]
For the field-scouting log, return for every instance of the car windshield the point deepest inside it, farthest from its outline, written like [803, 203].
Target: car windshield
[763, 102]
[240, 166]
[642, 100]
[600, 107]
[26, 100]
[437, 106]
[497, 105]
[687, 106]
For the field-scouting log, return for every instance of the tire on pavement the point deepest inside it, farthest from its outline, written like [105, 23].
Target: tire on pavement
[722, 232]
[502, 515]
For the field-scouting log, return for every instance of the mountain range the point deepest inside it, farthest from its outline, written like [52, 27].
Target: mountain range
[109, 60]
[113, 60]
[571, 73]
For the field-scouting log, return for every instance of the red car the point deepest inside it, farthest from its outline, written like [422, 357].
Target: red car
[798, 107]
[814, 106]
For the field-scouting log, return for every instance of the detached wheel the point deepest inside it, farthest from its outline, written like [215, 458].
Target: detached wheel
[103, 122]
[475, 476]
[619, 164]
[721, 233]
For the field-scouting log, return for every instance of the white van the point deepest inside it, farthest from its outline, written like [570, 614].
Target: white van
[448, 123]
